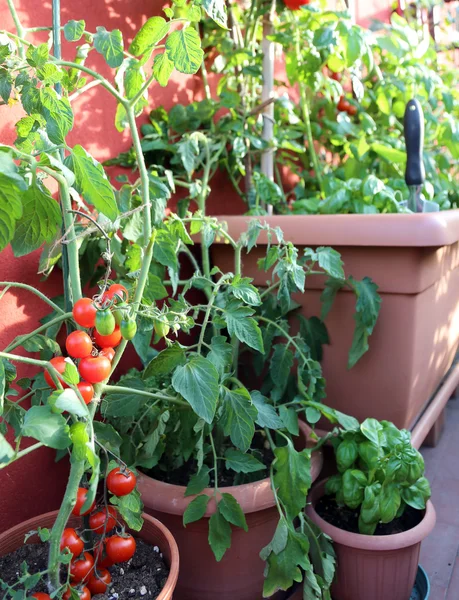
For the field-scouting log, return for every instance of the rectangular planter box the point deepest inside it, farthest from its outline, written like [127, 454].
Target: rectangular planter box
[414, 259]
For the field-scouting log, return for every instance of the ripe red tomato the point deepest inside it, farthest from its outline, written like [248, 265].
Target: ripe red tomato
[41, 596]
[108, 352]
[80, 570]
[120, 549]
[71, 540]
[336, 76]
[84, 593]
[116, 292]
[59, 364]
[352, 110]
[95, 368]
[86, 390]
[81, 499]
[295, 4]
[108, 341]
[100, 555]
[78, 344]
[98, 519]
[121, 482]
[84, 312]
[99, 580]
[343, 104]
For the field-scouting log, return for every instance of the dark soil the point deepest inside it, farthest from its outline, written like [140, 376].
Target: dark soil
[347, 518]
[226, 477]
[144, 576]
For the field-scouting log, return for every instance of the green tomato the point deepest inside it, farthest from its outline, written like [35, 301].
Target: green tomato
[105, 322]
[398, 108]
[128, 329]
[161, 328]
[119, 312]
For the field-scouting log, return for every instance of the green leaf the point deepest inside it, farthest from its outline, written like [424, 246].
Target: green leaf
[197, 382]
[280, 366]
[73, 30]
[154, 290]
[371, 429]
[39, 342]
[130, 508]
[417, 494]
[330, 261]
[289, 418]
[267, 414]
[188, 150]
[47, 427]
[196, 509]
[122, 404]
[110, 45]
[238, 417]
[332, 287]
[242, 326]
[149, 35]
[389, 502]
[315, 334]
[284, 568]
[37, 56]
[58, 115]
[108, 436]
[162, 69]
[67, 400]
[164, 250]
[6, 451]
[92, 183]
[292, 477]
[216, 10]
[184, 50]
[198, 482]
[40, 220]
[241, 462]
[242, 288]
[11, 186]
[367, 311]
[354, 482]
[392, 155]
[165, 362]
[346, 454]
[220, 354]
[219, 534]
[231, 510]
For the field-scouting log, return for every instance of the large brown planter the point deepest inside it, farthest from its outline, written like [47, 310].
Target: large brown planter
[153, 532]
[376, 567]
[239, 575]
[414, 259]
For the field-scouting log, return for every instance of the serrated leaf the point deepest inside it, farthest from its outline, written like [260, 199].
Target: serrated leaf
[47, 427]
[197, 382]
[242, 288]
[220, 354]
[107, 436]
[242, 326]
[231, 510]
[292, 477]
[122, 404]
[184, 50]
[149, 35]
[57, 113]
[196, 509]
[280, 366]
[241, 462]
[267, 414]
[238, 416]
[162, 69]
[130, 508]
[315, 334]
[283, 568]
[37, 56]
[110, 45]
[330, 261]
[165, 362]
[332, 287]
[219, 534]
[73, 30]
[216, 9]
[367, 311]
[198, 482]
[154, 290]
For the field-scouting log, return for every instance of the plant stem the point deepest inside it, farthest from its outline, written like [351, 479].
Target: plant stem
[214, 452]
[29, 288]
[202, 207]
[104, 83]
[25, 359]
[22, 338]
[157, 396]
[17, 24]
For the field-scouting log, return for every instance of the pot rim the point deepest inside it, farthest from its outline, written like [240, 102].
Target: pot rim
[50, 516]
[421, 230]
[395, 541]
[252, 497]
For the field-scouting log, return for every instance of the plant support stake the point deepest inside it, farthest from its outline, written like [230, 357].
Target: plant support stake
[267, 158]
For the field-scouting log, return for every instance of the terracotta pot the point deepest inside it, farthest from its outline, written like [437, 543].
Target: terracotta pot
[239, 575]
[153, 532]
[414, 259]
[376, 567]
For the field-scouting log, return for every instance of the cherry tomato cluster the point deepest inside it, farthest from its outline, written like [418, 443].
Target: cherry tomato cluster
[109, 323]
[89, 571]
[345, 106]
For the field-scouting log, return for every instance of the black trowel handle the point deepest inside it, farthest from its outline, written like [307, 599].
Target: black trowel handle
[414, 137]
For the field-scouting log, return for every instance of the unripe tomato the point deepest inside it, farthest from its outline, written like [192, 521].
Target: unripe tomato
[398, 108]
[98, 519]
[41, 596]
[343, 104]
[98, 582]
[86, 390]
[121, 482]
[120, 549]
[105, 322]
[81, 569]
[128, 329]
[119, 312]
[95, 368]
[78, 344]
[116, 292]
[59, 363]
[161, 328]
[84, 312]
[84, 593]
[81, 499]
[295, 4]
[71, 540]
[108, 341]
[108, 352]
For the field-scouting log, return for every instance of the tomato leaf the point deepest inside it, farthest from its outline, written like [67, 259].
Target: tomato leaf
[197, 382]
[216, 9]
[162, 68]
[184, 50]
[238, 416]
[196, 509]
[367, 311]
[149, 35]
[198, 482]
[241, 462]
[47, 427]
[292, 477]
[165, 361]
[219, 534]
[110, 45]
[130, 508]
[73, 30]
[242, 326]
[284, 568]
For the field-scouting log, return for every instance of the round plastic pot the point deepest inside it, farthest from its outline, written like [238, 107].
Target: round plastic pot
[153, 532]
[239, 575]
[380, 567]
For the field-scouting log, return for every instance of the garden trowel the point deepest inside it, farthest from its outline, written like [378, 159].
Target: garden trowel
[415, 174]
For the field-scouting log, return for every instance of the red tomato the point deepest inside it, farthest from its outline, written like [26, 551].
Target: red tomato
[71, 540]
[116, 292]
[84, 593]
[99, 580]
[108, 352]
[100, 556]
[80, 570]
[120, 549]
[352, 110]
[295, 4]
[81, 499]
[343, 104]
[95, 368]
[41, 596]
[108, 341]
[121, 482]
[78, 344]
[59, 364]
[86, 390]
[98, 519]
[336, 76]
[84, 312]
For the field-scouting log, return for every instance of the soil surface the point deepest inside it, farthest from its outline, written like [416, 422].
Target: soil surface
[144, 576]
[347, 518]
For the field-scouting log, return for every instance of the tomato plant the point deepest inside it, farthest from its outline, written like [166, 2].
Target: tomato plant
[120, 548]
[78, 344]
[121, 482]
